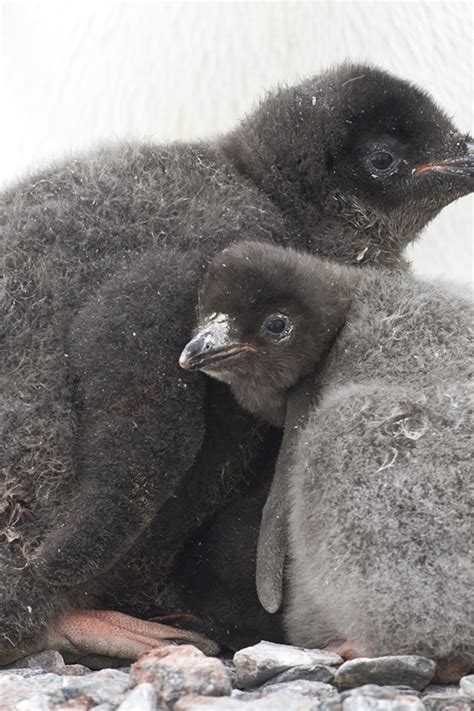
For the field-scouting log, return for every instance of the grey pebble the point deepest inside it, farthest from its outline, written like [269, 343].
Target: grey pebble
[381, 692]
[359, 702]
[104, 686]
[141, 698]
[257, 664]
[48, 660]
[311, 689]
[43, 691]
[441, 690]
[275, 702]
[319, 672]
[440, 702]
[176, 671]
[467, 686]
[411, 670]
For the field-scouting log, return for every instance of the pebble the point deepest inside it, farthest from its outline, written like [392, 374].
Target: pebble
[141, 698]
[53, 691]
[276, 702]
[48, 660]
[411, 670]
[302, 687]
[358, 701]
[175, 671]
[257, 664]
[319, 672]
[441, 702]
[467, 686]
[381, 692]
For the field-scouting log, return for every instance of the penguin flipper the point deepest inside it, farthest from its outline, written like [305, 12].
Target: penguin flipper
[273, 536]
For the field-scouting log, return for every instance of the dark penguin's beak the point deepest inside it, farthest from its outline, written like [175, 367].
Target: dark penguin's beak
[462, 167]
[212, 345]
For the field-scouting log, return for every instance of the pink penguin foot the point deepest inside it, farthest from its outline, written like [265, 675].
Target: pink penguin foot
[346, 649]
[112, 634]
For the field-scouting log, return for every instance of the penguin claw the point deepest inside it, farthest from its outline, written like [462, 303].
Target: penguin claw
[105, 633]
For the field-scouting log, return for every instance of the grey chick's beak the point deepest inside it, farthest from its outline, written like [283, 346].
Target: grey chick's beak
[460, 166]
[212, 344]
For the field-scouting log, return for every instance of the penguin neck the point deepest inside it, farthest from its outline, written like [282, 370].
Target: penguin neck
[274, 170]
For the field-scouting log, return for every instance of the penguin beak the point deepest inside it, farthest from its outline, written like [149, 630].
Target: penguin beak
[212, 345]
[462, 167]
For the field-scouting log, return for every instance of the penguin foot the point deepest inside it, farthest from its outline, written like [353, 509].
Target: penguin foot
[106, 633]
[346, 649]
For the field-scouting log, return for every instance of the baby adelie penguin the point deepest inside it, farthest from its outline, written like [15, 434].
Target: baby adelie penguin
[378, 473]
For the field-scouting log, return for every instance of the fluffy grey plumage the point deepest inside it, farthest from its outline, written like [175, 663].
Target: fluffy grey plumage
[379, 479]
[102, 256]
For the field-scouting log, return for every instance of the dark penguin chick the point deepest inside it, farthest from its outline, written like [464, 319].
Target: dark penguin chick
[101, 259]
[378, 478]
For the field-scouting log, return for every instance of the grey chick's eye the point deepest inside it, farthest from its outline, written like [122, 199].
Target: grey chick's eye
[277, 326]
[381, 160]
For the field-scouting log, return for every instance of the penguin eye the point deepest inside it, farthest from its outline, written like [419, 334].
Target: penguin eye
[381, 161]
[277, 327]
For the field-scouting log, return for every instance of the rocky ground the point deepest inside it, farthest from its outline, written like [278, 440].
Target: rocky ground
[266, 677]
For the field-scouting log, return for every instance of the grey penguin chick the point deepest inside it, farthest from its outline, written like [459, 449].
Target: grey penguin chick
[101, 258]
[378, 471]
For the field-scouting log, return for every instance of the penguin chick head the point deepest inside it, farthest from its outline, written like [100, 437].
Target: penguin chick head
[360, 159]
[267, 316]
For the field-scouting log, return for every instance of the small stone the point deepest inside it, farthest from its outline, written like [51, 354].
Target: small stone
[301, 687]
[320, 672]
[442, 702]
[257, 664]
[79, 703]
[467, 686]
[104, 686]
[411, 670]
[74, 670]
[23, 673]
[175, 671]
[275, 702]
[230, 669]
[15, 688]
[37, 702]
[49, 660]
[359, 702]
[141, 698]
[441, 690]
[334, 704]
[381, 692]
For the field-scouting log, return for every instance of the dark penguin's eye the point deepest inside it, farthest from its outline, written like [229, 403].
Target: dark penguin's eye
[277, 326]
[381, 161]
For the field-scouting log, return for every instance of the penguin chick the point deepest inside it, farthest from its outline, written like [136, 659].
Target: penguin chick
[102, 257]
[379, 472]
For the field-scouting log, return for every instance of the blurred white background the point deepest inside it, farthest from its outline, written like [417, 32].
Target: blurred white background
[74, 74]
